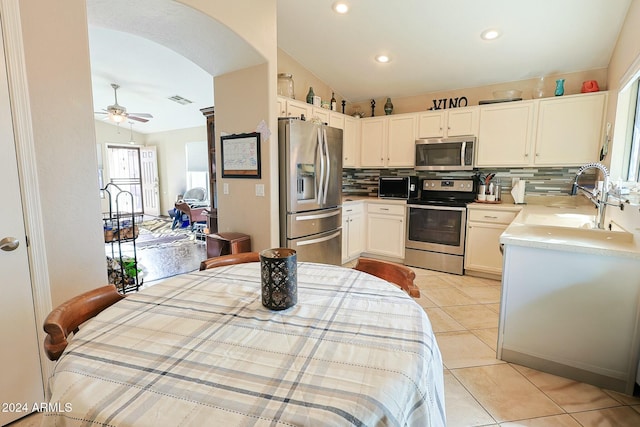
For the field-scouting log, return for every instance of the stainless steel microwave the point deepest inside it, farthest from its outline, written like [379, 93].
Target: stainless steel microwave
[445, 154]
[398, 187]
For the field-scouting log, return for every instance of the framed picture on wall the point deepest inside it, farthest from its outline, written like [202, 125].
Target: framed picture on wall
[240, 155]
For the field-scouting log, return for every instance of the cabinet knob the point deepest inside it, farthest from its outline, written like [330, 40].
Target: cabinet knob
[537, 154]
[526, 154]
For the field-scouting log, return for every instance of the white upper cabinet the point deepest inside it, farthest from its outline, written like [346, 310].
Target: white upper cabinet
[445, 123]
[561, 131]
[569, 129]
[351, 142]
[505, 134]
[401, 140]
[321, 113]
[373, 142]
[388, 141]
[298, 108]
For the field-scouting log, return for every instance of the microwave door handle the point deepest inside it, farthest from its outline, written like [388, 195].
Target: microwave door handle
[328, 171]
[321, 157]
[463, 150]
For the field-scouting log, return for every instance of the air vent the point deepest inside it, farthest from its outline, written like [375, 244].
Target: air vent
[180, 100]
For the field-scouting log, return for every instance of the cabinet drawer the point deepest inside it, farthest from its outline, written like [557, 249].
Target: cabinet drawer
[385, 209]
[497, 216]
[352, 208]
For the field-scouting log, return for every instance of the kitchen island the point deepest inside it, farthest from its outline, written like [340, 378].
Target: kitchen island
[570, 297]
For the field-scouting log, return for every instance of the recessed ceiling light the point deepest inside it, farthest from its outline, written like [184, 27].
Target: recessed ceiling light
[383, 59]
[341, 7]
[490, 34]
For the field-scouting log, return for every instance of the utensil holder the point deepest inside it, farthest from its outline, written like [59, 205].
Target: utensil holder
[279, 278]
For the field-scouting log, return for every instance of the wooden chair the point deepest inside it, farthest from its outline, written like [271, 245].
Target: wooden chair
[238, 258]
[66, 318]
[194, 214]
[392, 272]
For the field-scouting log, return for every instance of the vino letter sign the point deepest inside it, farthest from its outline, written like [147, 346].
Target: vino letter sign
[440, 104]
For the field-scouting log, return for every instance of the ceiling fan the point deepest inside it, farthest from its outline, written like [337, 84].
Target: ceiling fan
[118, 114]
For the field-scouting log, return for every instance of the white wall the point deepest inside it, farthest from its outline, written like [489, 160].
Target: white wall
[172, 161]
[56, 52]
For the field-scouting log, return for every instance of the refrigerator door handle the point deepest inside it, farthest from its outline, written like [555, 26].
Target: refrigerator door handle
[328, 173]
[321, 178]
[319, 240]
[317, 216]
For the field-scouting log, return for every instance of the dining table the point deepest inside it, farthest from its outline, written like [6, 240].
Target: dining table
[200, 349]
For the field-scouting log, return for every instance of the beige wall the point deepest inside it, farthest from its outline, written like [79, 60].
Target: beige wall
[56, 53]
[303, 79]
[243, 99]
[572, 85]
[172, 161]
[241, 103]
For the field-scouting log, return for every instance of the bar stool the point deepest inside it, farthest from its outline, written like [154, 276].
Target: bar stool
[227, 243]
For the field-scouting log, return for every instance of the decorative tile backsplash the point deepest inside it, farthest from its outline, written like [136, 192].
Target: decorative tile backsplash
[540, 181]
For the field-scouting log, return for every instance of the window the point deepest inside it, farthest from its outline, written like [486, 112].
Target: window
[634, 153]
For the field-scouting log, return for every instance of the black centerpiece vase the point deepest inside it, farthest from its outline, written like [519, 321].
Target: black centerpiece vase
[279, 278]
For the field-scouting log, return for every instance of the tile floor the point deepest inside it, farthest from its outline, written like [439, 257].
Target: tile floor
[481, 390]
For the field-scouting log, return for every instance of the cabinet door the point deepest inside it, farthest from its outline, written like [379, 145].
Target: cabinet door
[373, 135]
[505, 133]
[282, 107]
[385, 235]
[356, 236]
[351, 143]
[463, 121]
[569, 130]
[401, 141]
[431, 124]
[322, 113]
[345, 237]
[336, 120]
[482, 252]
[297, 109]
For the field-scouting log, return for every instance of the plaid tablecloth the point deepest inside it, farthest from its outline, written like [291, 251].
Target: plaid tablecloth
[199, 349]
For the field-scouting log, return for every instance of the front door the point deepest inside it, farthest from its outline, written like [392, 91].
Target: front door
[150, 185]
[20, 371]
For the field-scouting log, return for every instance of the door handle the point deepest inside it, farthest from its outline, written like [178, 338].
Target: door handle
[9, 244]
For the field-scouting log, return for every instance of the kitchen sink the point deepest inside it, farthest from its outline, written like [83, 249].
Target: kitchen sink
[568, 226]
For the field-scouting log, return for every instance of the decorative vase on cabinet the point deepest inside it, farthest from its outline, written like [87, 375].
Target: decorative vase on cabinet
[559, 87]
[310, 95]
[388, 107]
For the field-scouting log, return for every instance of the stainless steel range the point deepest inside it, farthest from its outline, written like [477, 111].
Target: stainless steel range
[436, 224]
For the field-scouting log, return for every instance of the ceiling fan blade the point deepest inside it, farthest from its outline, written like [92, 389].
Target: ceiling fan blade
[138, 119]
[147, 115]
[100, 112]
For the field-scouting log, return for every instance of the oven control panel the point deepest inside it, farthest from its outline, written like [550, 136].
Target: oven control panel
[457, 185]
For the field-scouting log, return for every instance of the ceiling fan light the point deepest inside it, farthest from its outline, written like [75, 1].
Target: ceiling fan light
[116, 118]
[383, 59]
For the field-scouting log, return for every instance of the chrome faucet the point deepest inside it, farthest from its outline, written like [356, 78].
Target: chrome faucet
[597, 196]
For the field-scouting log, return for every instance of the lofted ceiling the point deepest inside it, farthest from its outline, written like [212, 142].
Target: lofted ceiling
[150, 48]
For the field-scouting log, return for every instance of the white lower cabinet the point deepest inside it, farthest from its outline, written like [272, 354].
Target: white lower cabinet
[352, 231]
[484, 227]
[386, 229]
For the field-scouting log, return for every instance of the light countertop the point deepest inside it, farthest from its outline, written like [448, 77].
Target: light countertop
[354, 199]
[568, 228]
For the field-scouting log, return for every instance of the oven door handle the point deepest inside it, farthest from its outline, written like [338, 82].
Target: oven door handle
[443, 208]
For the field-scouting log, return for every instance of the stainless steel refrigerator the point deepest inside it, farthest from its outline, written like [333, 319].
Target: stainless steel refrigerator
[311, 190]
